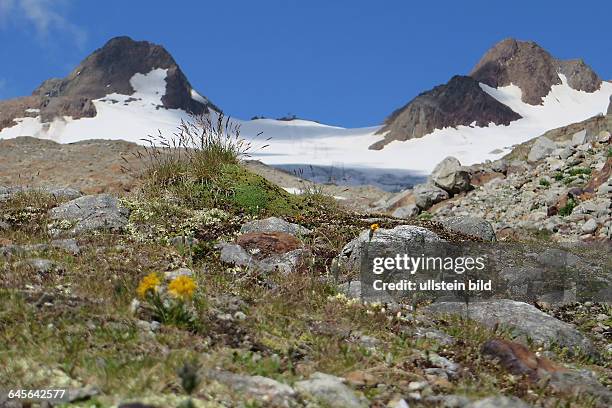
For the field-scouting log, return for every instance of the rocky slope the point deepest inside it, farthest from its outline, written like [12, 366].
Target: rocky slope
[106, 71]
[524, 64]
[558, 184]
[78, 269]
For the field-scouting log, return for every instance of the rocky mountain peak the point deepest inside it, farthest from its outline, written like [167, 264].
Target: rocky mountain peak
[531, 68]
[461, 101]
[107, 70]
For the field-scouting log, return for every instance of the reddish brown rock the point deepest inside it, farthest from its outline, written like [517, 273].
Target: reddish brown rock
[264, 244]
[518, 359]
[599, 177]
[481, 178]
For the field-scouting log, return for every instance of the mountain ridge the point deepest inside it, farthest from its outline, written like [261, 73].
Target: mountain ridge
[509, 62]
[107, 70]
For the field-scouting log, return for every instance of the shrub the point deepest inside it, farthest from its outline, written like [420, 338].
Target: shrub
[568, 207]
[544, 182]
[579, 170]
[201, 166]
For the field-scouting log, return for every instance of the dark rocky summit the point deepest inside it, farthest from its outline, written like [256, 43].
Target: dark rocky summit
[531, 68]
[107, 70]
[461, 101]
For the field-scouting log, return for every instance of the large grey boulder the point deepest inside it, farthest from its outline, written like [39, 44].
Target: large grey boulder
[426, 195]
[473, 226]
[451, 176]
[330, 391]
[523, 319]
[391, 241]
[274, 224]
[89, 213]
[542, 148]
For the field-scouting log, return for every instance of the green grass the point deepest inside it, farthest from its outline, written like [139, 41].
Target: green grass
[568, 207]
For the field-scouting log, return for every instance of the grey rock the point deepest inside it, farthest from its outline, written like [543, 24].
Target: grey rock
[68, 245]
[579, 138]
[589, 227]
[168, 276]
[330, 390]
[426, 195]
[235, 254]
[259, 388]
[581, 382]
[524, 320]
[351, 290]
[603, 137]
[4, 226]
[451, 176]
[499, 402]
[408, 211]
[473, 226]
[542, 148]
[566, 152]
[91, 213]
[274, 224]
[392, 240]
[448, 401]
[284, 263]
[42, 266]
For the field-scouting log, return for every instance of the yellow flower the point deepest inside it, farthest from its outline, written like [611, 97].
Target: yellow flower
[374, 227]
[148, 283]
[182, 287]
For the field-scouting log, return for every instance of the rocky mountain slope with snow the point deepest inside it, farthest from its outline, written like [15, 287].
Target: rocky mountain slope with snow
[129, 90]
[510, 62]
[120, 67]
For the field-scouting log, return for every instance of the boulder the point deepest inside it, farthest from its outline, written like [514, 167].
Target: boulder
[451, 176]
[426, 195]
[408, 211]
[89, 213]
[274, 224]
[262, 389]
[580, 138]
[589, 227]
[473, 226]
[498, 402]
[542, 148]
[285, 262]
[392, 241]
[525, 321]
[330, 391]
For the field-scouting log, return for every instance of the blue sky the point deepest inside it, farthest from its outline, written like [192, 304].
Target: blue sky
[348, 63]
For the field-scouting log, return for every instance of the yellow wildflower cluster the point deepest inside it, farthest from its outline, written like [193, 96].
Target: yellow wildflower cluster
[149, 283]
[374, 227]
[182, 287]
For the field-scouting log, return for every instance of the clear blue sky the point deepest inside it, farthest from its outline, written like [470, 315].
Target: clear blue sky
[348, 63]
